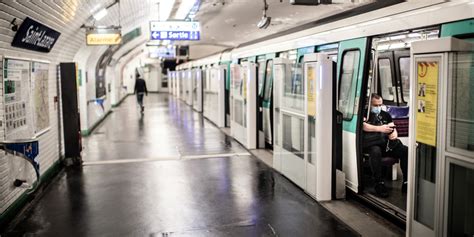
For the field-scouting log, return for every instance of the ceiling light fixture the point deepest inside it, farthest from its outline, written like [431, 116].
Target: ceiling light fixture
[100, 14]
[265, 21]
[184, 8]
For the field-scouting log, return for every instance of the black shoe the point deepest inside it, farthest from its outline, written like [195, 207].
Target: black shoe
[143, 109]
[404, 187]
[381, 190]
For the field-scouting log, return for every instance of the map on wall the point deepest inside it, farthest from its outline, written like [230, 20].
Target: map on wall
[40, 97]
[16, 79]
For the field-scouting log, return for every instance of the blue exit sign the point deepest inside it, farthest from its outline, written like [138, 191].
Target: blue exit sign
[175, 35]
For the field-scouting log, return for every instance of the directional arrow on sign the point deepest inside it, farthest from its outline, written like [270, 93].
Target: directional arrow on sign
[155, 35]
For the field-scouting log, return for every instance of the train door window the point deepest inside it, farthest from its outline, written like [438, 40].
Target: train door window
[404, 63]
[386, 80]
[268, 78]
[261, 74]
[348, 82]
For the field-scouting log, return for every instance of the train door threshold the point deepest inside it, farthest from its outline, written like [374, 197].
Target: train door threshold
[265, 155]
[357, 216]
[226, 130]
[362, 219]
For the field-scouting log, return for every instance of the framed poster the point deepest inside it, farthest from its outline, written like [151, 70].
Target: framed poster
[16, 78]
[40, 96]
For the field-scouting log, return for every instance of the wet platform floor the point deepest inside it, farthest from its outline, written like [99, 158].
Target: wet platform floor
[171, 173]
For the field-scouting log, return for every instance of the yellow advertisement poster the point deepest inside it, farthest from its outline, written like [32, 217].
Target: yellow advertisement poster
[244, 84]
[427, 101]
[311, 85]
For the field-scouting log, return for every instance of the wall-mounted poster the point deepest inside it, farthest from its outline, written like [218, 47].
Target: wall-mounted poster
[427, 100]
[40, 96]
[16, 77]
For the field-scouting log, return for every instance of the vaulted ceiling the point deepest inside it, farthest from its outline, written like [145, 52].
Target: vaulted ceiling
[232, 22]
[224, 23]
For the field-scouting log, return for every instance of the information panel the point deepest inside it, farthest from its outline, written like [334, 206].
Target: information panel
[427, 100]
[40, 97]
[16, 77]
[175, 30]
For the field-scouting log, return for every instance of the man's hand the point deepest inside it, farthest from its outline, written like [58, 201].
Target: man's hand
[385, 129]
[392, 136]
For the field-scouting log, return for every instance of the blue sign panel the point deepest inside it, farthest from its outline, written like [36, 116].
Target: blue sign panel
[175, 35]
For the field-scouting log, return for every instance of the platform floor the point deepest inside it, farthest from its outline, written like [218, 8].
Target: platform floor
[171, 173]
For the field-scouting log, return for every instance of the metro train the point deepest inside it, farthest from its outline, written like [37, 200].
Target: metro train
[305, 93]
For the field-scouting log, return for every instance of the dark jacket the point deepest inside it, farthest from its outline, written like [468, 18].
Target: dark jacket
[140, 86]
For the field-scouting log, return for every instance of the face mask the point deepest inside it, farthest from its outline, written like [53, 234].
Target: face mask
[376, 110]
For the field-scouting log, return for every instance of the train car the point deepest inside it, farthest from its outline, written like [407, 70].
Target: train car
[271, 104]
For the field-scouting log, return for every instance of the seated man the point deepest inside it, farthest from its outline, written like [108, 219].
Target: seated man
[381, 121]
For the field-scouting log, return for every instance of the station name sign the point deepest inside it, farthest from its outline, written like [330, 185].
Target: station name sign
[35, 36]
[103, 37]
[175, 30]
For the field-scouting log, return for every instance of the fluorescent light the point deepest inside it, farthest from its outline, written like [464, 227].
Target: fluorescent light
[414, 35]
[411, 13]
[375, 21]
[95, 8]
[344, 28]
[397, 45]
[100, 14]
[184, 8]
[396, 37]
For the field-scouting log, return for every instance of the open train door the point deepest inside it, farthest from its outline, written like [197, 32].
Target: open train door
[351, 95]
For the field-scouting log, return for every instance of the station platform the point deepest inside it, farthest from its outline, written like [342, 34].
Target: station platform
[169, 172]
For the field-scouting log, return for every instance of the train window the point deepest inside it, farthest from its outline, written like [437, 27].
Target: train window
[297, 85]
[236, 81]
[292, 55]
[461, 99]
[268, 81]
[385, 76]
[348, 83]
[404, 63]
[460, 204]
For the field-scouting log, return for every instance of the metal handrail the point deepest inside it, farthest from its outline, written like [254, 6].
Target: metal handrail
[27, 149]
